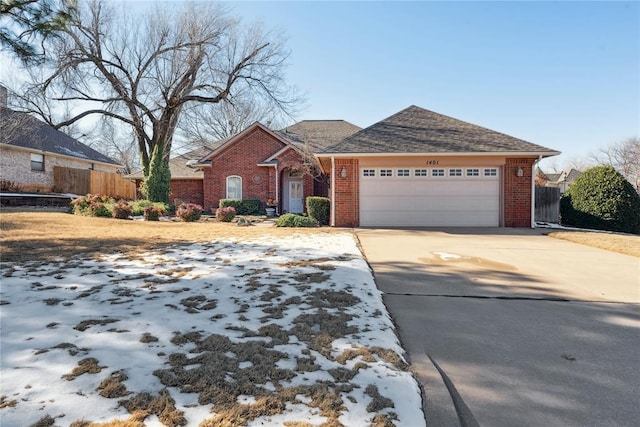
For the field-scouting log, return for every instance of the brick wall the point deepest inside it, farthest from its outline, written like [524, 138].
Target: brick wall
[347, 194]
[517, 193]
[241, 159]
[186, 191]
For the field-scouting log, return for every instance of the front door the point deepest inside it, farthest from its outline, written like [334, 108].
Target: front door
[296, 197]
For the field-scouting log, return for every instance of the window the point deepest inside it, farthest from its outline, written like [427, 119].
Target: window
[455, 172]
[420, 172]
[403, 172]
[473, 172]
[437, 172]
[491, 172]
[37, 162]
[368, 172]
[234, 187]
[386, 172]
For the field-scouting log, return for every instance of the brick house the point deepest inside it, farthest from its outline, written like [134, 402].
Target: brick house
[418, 168]
[257, 163]
[30, 149]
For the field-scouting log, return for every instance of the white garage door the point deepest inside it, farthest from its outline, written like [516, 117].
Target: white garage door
[430, 197]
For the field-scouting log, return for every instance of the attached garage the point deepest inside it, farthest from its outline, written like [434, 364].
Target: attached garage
[428, 197]
[419, 168]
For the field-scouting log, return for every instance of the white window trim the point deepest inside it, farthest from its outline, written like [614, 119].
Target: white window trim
[37, 158]
[227, 186]
[368, 173]
[444, 172]
[421, 173]
[485, 170]
[386, 173]
[408, 173]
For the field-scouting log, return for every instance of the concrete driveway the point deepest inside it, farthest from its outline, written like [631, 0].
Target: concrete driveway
[525, 329]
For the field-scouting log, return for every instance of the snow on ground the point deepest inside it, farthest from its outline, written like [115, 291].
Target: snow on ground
[255, 332]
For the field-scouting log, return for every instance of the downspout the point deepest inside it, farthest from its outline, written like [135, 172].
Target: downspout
[277, 190]
[333, 191]
[533, 191]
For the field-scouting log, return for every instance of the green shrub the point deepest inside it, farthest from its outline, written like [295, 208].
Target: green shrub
[318, 208]
[121, 209]
[293, 220]
[92, 205]
[226, 214]
[138, 206]
[189, 212]
[242, 206]
[602, 199]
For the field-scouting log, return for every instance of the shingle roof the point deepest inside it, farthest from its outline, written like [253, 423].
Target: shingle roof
[317, 135]
[22, 130]
[178, 165]
[416, 130]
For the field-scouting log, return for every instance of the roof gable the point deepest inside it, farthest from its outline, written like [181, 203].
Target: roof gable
[238, 137]
[416, 130]
[31, 133]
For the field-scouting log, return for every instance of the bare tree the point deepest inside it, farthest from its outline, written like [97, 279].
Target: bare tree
[207, 123]
[624, 156]
[144, 71]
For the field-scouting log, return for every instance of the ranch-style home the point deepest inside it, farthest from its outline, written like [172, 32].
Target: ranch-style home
[418, 168]
[276, 167]
[30, 150]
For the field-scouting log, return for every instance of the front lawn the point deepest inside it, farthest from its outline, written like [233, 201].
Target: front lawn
[218, 326]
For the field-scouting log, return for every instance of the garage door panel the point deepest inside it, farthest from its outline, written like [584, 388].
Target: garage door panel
[429, 201]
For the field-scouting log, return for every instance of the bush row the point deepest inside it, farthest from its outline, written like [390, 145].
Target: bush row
[103, 206]
[242, 206]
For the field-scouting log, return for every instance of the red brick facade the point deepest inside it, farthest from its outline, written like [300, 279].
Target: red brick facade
[241, 158]
[186, 191]
[347, 193]
[517, 192]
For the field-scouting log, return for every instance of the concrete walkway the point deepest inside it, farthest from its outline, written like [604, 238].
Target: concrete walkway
[526, 330]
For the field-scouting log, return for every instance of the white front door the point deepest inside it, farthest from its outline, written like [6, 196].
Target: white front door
[296, 197]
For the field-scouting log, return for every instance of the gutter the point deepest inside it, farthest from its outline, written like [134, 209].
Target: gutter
[533, 191]
[538, 154]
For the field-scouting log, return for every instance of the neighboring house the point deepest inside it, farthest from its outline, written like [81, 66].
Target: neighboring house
[420, 168]
[563, 180]
[30, 149]
[257, 163]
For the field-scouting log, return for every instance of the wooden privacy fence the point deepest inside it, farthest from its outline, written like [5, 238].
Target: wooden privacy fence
[86, 181]
[547, 204]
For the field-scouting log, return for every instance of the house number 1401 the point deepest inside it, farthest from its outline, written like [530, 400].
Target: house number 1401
[433, 162]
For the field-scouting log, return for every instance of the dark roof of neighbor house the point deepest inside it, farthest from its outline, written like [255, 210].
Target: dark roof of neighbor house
[317, 135]
[563, 176]
[416, 130]
[22, 130]
[179, 165]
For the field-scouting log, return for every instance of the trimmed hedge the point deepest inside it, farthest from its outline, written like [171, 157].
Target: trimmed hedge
[293, 220]
[242, 206]
[226, 214]
[189, 212]
[318, 208]
[602, 199]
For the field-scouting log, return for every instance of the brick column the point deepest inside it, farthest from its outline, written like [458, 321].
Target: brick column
[517, 192]
[347, 193]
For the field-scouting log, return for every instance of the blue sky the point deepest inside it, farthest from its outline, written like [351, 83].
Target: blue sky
[565, 75]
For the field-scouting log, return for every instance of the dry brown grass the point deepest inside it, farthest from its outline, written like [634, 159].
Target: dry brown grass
[621, 243]
[45, 236]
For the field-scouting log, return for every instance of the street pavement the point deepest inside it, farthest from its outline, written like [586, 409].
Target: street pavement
[510, 327]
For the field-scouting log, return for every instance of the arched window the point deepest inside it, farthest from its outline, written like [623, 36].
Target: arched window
[234, 187]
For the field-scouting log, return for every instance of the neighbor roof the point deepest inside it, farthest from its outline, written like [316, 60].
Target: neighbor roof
[22, 130]
[317, 135]
[178, 165]
[416, 130]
